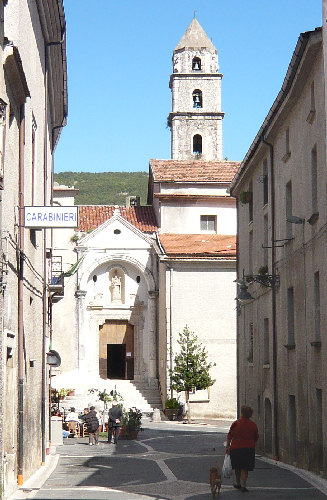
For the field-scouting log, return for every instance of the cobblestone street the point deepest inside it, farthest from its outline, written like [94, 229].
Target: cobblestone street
[168, 461]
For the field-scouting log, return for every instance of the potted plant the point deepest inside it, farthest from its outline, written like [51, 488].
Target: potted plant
[173, 409]
[106, 398]
[131, 423]
[245, 197]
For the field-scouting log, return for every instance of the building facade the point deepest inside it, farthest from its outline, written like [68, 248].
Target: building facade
[33, 107]
[281, 192]
[144, 273]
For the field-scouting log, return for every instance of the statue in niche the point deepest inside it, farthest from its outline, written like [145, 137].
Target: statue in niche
[116, 287]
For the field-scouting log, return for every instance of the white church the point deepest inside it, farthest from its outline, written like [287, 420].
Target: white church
[137, 275]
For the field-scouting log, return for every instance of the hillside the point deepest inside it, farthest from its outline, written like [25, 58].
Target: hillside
[105, 188]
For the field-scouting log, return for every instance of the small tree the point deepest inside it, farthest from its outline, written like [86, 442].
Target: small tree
[191, 368]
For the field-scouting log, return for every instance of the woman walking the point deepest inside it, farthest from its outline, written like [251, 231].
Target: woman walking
[241, 440]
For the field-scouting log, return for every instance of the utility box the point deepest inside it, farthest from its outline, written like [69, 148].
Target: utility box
[56, 431]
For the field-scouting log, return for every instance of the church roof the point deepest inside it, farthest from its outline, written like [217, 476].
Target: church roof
[92, 216]
[195, 37]
[199, 245]
[193, 171]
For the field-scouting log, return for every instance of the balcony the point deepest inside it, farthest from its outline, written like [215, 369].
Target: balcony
[56, 279]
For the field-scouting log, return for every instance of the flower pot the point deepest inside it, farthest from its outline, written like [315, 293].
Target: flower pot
[132, 434]
[172, 413]
[128, 433]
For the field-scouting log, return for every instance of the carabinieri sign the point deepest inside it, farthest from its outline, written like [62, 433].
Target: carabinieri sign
[42, 217]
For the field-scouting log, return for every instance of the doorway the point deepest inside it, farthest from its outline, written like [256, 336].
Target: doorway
[116, 359]
[116, 350]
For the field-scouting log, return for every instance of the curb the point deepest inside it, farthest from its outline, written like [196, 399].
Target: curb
[34, 483]
[318, 482]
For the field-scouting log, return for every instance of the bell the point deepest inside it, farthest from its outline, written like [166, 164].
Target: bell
[197, 99]
[196, 66]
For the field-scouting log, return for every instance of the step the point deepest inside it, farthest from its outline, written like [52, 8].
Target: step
[135, 394]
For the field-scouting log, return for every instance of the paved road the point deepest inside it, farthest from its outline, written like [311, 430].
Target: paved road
[168, 461]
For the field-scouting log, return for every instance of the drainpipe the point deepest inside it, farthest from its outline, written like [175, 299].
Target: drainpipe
[170, 325]
[273, 296]
[20, 266]
[238, 406]
[44, 296]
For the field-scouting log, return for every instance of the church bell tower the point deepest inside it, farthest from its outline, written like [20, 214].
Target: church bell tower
[196, 116]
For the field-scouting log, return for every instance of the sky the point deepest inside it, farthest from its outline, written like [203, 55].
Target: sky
[120, 60]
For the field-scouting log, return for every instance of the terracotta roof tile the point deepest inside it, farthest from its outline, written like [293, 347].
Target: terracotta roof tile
[92, 216]
[201, 245]
[193, 171]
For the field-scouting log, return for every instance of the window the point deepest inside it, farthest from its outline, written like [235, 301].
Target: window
[266, 350]
[34, 127]
[3, 110]
[312, 112]
[288, 209]
[290, 317]
[208, 223]
[250, 352]
[265, 182]
[287, 154]
[314, 180]
[251, 252]
[292, 426]
[197, 144]
[319, 422]
[196, 64]
[251, 203]
[265, 240]
[197, 98]
[316, 291]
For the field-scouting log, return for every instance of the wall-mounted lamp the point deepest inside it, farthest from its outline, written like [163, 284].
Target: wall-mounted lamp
[293, 219]
[243, 295]
[264, 279]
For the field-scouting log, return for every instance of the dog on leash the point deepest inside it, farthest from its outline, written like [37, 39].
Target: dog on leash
[215, 480]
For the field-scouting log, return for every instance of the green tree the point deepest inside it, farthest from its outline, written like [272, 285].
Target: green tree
[191, 367]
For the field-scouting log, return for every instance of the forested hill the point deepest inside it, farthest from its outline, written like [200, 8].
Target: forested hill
[105, 188]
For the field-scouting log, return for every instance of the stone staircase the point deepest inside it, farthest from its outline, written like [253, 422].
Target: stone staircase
[135, 394]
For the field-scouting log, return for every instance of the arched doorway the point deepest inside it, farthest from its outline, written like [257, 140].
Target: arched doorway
[116, 350]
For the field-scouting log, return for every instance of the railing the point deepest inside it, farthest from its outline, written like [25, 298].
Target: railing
[56, 278]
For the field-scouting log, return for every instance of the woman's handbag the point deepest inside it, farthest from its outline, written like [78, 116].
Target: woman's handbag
[227, 467]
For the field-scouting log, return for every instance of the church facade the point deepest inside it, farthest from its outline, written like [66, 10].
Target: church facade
[135, 276]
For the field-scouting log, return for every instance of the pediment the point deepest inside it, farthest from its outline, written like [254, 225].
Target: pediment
[116, 233]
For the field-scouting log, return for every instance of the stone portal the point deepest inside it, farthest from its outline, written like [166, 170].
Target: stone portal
[116, 350]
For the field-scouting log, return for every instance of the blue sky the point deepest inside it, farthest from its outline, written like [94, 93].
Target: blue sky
[119, 64]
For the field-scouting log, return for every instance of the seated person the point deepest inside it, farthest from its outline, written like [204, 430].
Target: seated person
[72, 420]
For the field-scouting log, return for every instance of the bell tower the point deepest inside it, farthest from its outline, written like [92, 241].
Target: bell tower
[196, 117]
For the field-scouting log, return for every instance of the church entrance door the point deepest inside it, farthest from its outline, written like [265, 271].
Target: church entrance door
[116, 350]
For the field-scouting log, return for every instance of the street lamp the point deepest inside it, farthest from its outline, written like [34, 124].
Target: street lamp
[243, 295]
[267, 280]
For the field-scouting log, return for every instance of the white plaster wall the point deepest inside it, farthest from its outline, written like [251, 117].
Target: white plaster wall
[103, 251]
[185, 219]
[203, 296]
[198, 189]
